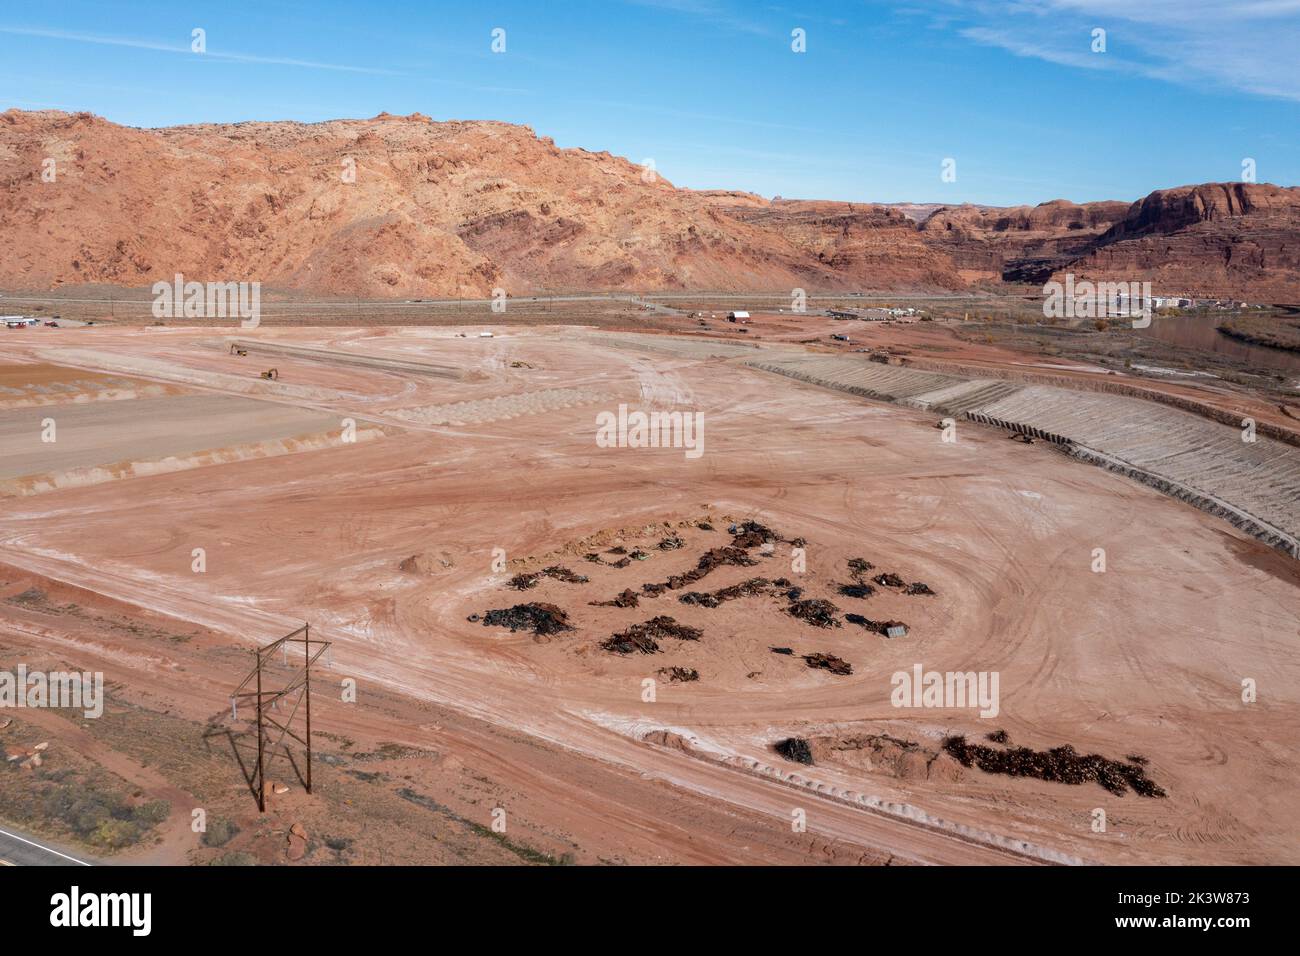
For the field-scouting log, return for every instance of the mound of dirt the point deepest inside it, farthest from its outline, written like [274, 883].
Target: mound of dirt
[426, 563]
[882, 753]
[666, 738]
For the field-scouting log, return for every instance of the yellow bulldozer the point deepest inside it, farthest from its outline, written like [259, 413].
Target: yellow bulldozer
[271, 373]
[236, 350]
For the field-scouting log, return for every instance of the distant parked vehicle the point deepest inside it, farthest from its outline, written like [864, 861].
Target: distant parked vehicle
[51, 325]
[840, 338]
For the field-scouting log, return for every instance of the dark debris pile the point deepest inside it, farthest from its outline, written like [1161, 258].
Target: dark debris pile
[645, 637]
[878, 627]
[1060, 765]
[722, 595]
[679, 674]
[522, 582]
[828, 662]
[860, 566]
[627, 598]
[538, 618]
[751, 534]
[709, 561]
[857, 590]
[794, 748]
[815, 611]
[560, 573]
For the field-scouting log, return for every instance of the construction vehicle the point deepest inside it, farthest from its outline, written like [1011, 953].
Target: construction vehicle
[271, 373]
[236, 350]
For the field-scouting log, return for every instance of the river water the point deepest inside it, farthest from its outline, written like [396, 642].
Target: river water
[1199, 332]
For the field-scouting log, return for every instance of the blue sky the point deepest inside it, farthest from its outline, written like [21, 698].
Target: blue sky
[711, 91]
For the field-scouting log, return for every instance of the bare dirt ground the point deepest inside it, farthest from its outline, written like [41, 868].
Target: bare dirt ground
[454, 718]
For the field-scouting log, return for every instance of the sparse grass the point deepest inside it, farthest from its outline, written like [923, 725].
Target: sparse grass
[220, 831]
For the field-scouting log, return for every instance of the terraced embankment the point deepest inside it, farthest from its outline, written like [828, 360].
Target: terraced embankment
[1253, 484]
[384, 363]
[54, 447]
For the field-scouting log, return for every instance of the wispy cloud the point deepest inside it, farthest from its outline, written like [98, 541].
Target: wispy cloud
[1251, 46]
[227, 56]
[714, 13]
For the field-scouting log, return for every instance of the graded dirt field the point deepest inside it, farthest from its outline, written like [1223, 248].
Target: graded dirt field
[396, 549]
[151, 428]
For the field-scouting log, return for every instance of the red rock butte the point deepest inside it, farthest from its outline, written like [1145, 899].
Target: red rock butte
[399, 206]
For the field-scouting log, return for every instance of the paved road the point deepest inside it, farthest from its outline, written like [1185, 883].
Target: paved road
[23, 850]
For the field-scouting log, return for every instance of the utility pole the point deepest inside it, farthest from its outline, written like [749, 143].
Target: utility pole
[261, 773]
[306, 683]
[297, 689]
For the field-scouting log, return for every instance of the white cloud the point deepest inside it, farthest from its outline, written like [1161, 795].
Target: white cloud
[1250, 46]
[178, 48]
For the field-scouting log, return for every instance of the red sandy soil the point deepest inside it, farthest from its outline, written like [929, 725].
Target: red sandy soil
[1146, 658]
